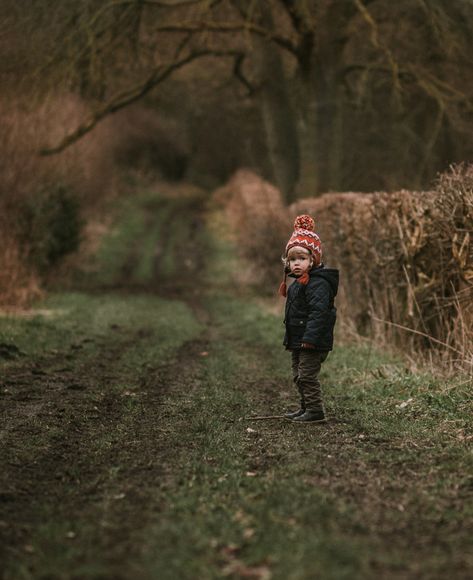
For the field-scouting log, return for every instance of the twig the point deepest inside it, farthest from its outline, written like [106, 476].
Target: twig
[402, 327]
[377, 43]
[264, 417]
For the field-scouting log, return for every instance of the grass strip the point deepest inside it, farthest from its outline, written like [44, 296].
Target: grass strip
[366, 493]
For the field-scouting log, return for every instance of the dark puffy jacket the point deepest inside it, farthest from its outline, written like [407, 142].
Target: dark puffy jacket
[310, 311]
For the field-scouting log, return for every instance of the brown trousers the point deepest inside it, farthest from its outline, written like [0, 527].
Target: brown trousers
[306, 364]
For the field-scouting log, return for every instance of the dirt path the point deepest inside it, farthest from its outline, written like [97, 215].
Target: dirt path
[78, 449]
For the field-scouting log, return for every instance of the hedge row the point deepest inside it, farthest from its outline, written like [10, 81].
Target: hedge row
[406, 258]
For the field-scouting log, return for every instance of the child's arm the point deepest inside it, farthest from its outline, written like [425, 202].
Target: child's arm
[319, 326]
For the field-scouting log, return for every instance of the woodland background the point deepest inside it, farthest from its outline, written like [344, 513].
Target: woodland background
[100, 97]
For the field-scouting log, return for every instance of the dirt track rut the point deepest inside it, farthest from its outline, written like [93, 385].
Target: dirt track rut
[77, 447]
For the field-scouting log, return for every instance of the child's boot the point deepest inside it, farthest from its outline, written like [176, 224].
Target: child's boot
[311, 416]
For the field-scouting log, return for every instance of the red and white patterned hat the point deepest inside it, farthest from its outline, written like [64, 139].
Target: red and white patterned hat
[305, 237]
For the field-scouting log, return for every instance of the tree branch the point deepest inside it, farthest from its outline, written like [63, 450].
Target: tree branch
[403, 73]
[414, 331]
[378, 44]
[102, 10]
[238, 72]
[299, 23]
[157, 4]
[197, 27]
[128, 97]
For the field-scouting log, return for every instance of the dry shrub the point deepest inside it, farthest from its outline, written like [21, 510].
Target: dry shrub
[18, 283]
[38, 195]
[88, 166]
[406, 262]
[258, 224]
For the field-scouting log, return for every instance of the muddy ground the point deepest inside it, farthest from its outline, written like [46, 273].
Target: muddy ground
[58, 410]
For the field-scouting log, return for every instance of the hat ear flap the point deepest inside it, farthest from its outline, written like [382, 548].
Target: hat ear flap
[283, 289]
[283, 286]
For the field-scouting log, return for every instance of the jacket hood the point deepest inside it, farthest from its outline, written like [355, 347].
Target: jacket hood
[329, 274]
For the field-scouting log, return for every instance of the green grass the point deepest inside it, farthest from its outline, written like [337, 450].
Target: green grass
[284, 498]
[88, 321]
[128, 228]
[127, 252]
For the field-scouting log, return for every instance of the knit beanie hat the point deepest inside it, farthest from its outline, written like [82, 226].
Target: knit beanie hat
[304, 237]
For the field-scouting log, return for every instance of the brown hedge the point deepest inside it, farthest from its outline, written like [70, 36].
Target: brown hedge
[405, 258]
[406, 261]
[258, 223]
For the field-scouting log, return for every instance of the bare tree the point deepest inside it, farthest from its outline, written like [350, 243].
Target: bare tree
[330, 75]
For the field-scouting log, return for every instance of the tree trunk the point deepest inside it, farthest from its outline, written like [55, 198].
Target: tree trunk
[276, 107]
[329, 125]
[320, 125]
[308, 184]
[320, 102]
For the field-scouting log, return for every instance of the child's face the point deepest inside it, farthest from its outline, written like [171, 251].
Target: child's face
[299, 260]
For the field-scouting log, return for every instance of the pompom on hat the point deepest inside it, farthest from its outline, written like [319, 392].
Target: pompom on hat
[303, 236]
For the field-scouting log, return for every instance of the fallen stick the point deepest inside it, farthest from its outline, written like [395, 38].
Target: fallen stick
[264, 417]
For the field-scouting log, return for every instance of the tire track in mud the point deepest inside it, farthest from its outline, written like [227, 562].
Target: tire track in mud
[78, 448]
[90, 458]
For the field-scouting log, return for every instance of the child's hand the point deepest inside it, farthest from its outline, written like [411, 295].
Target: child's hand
[307, 345]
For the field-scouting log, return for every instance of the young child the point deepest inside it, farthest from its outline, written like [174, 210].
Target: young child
[310, 316]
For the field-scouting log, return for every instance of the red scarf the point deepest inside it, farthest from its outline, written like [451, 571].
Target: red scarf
[304, 280]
